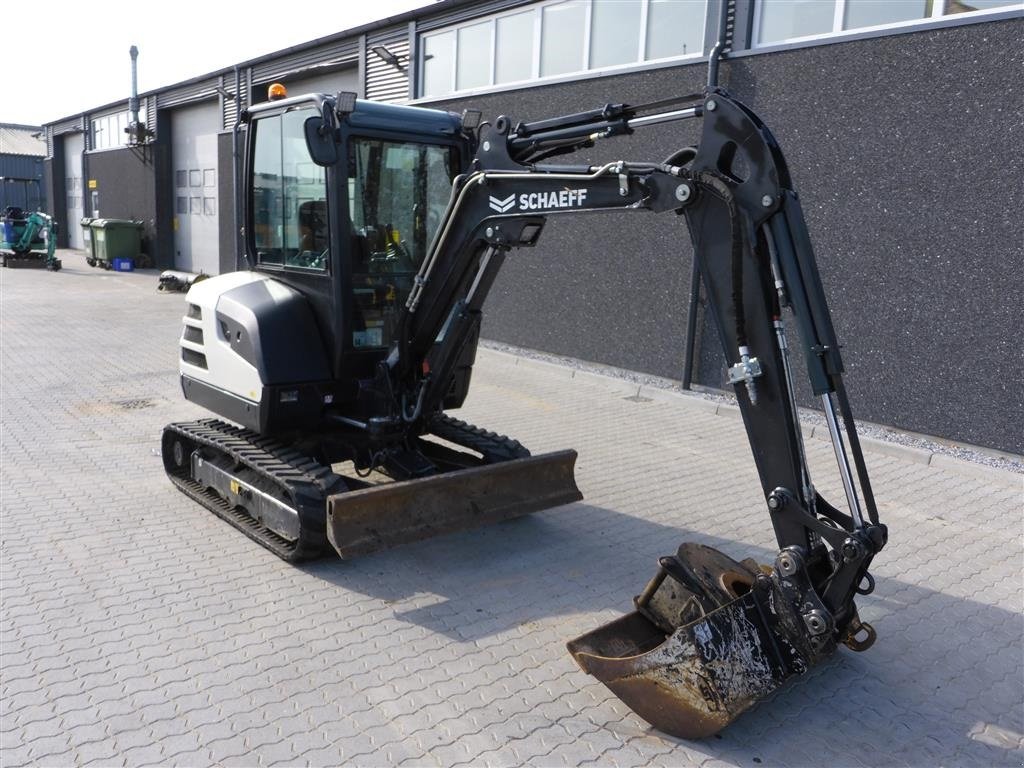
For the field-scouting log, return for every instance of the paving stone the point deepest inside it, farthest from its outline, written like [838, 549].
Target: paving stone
[140, 630]
[321, 758]
[140, 756]
[44, 747]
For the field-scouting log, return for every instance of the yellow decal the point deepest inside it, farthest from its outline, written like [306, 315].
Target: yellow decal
[235, 486]
[92, 183]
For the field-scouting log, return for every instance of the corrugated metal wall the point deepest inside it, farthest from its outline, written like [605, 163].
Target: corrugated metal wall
[22, 183]
[188, 93]
[334, 54]
[150, 104]
[71, 125]
[384, 82]
[230, 108]
[21, 166]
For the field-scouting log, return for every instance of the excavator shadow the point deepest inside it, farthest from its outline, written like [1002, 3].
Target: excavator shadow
[574, 567]
[568, 562]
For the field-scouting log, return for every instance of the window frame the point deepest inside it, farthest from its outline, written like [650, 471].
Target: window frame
[251, 249]
[350, 136]
[537, 11]
[110, 128]
[938, 17]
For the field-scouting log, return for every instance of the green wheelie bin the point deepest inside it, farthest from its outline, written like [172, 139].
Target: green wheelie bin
[90, 248]
[116, 243]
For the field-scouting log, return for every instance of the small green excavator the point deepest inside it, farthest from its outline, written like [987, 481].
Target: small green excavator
[28, 239]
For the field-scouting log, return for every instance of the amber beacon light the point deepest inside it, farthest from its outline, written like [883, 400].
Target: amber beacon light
[276, 91]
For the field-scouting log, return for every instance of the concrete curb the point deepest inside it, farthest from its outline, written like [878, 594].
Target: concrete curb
[696, 402]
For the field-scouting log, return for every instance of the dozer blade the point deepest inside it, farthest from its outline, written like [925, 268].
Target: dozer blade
[387, 515]
[711, 637]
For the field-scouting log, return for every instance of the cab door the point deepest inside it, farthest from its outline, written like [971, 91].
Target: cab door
[289, 233]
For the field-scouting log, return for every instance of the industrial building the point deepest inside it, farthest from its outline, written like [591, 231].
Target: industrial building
[22, 150]
[901, 121]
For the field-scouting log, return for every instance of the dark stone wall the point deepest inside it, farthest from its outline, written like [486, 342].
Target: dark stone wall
[907, 153]
[126, 183]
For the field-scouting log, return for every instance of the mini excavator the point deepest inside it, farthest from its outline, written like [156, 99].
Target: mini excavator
[28, 239]
[373, 234]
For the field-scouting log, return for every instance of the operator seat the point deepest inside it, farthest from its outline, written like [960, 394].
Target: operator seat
[313, 226]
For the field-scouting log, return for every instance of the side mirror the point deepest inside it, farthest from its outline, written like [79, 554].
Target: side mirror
[320, 140]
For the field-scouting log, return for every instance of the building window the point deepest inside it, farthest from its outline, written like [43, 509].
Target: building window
[563, 27]
[614, 33]
[513, 47]
[675, 29]
[784, 21]
[108, 132]
[439, 63]
[473, 64]
[558, 38]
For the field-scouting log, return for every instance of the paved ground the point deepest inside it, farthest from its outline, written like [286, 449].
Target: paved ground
[138, 629]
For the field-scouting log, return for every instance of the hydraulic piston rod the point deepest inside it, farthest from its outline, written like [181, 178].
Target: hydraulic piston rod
[842, 459]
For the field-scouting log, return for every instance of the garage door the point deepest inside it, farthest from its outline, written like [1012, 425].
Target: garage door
[194, 160]
[74, 190]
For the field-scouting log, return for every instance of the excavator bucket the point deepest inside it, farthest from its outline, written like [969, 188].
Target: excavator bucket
[384, 516]
[710, 638]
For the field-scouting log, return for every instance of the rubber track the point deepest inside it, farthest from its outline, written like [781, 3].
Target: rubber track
[492, 446]
[301, 480]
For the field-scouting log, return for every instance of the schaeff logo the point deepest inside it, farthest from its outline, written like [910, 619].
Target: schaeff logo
[533, 201]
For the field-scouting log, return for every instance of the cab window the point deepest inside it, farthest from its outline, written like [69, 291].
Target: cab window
[398, 192]
[289, 195]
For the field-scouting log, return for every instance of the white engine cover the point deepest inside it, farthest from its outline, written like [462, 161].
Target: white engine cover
[224, 368]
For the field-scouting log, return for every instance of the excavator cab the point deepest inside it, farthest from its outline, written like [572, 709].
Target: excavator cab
[346, 444]
[350, 228]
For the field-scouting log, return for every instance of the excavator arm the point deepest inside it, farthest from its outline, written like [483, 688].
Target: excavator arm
[710, 636]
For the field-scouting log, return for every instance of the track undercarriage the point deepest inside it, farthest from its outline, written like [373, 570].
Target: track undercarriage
[30, 260]
[299, 508]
